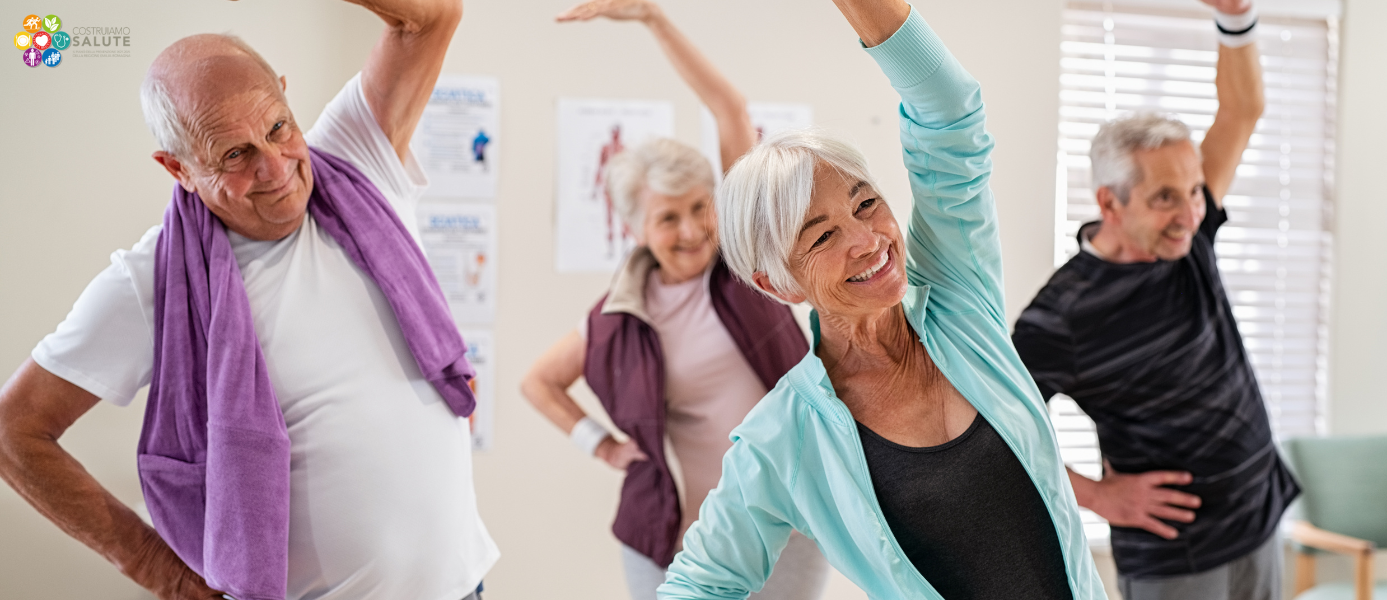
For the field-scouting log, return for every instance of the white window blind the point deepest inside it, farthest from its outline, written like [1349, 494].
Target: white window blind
[1274, 251]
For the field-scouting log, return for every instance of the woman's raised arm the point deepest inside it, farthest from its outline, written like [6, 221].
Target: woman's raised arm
[735, 131]
[952, 241]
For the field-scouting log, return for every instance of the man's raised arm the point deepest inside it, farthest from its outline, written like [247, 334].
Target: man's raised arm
[1240, 97]
[400, 72]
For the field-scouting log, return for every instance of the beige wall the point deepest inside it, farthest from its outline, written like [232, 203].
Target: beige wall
[1358, 404]
[81, 184]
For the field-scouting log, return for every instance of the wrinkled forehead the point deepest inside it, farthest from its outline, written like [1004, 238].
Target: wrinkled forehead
[1174, 163]
[208, 82]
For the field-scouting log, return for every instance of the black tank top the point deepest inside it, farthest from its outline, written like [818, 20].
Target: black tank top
[968, 516]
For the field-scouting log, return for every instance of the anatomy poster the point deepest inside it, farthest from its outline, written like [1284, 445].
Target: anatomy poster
[589, 235]
[460, 243]
[769, 118]
[481, 353]
[455, 141]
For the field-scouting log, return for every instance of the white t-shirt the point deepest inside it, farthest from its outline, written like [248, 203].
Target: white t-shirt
[382, 504]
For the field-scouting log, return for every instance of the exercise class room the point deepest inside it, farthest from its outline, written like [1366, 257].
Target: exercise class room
[665, 299]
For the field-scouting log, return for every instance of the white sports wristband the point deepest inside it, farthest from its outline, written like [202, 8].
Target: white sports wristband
[1236, 31]
[587, 435]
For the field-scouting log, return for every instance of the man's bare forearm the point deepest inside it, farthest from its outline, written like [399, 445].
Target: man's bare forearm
[401, 70]
[413, 15]
[36, 407]
[1239, 83]
[1240, 104]
[1083, 488]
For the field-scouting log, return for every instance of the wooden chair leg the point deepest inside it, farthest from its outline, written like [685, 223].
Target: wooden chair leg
[1304, 572]
[1363, 576]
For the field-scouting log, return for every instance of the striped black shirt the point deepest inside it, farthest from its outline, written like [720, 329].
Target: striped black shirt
[1151, 352]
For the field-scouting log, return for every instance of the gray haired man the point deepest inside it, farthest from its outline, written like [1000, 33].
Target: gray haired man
[286, 285]
[1137, 328]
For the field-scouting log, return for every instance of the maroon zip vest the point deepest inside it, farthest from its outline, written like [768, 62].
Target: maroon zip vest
[626, 369]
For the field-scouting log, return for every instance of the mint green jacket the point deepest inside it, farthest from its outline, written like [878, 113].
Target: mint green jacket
[796, 462]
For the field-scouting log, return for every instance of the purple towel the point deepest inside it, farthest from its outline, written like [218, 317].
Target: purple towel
[214, 452]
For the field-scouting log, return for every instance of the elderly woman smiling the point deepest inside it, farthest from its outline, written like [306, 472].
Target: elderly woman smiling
[678, 350]
[910, 443]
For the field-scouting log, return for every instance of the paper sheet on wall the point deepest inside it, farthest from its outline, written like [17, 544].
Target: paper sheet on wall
[460, 243]
[589, 235]
[769, 118]
[481, 353]
[456, 139]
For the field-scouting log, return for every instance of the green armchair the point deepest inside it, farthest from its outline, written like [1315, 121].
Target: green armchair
[1344, 504]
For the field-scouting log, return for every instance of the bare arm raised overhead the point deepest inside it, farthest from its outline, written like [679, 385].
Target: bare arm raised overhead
[1240, 104]
[735, 131]
[401, 70]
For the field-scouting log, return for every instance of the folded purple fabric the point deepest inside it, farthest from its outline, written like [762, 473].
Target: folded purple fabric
[214, 451]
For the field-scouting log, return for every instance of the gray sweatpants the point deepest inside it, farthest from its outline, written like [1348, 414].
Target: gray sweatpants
[1256, 576]
[800, 574]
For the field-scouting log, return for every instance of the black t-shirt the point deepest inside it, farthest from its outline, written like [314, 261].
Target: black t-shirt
[968, 516]
[1151, 352]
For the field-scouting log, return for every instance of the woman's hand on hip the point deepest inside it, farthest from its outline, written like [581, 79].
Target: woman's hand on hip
[619, 455]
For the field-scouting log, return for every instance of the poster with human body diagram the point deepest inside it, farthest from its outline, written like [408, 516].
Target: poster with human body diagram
[589, 234]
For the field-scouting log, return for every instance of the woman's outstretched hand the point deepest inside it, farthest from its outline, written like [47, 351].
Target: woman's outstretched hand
[617, 10]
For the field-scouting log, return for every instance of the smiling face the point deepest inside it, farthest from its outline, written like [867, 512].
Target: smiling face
[681, 231]
[1163, 209]
[848, 258]
[249, 162]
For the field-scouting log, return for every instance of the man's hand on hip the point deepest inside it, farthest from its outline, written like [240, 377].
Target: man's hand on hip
[1141, 500]
[156, 567]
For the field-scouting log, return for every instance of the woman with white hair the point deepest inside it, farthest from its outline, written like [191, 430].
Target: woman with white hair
[678, 348]
[910, 444]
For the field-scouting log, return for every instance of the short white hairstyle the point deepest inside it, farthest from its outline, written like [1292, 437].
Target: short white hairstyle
[170, 130]
[1112, 149]
[660, 165]
[764, 200]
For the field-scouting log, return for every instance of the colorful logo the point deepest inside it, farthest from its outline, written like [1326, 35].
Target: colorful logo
[41, 41]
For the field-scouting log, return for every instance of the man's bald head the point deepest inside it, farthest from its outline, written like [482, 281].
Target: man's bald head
[228, 135]
[194, 74]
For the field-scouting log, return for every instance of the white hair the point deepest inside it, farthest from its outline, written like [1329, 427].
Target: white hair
[765, 198]
[169, 128]
[660, 165]
[1112, 149]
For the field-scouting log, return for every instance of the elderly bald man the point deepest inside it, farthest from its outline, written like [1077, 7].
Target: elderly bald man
[304, 433]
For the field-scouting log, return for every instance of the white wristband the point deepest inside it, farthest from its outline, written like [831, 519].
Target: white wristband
[1236, 31]
[587, 435]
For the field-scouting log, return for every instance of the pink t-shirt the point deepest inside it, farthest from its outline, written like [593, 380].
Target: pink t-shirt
[709, 387]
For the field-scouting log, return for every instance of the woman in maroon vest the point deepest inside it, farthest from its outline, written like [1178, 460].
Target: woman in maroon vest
[678, 347]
